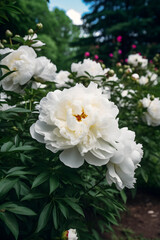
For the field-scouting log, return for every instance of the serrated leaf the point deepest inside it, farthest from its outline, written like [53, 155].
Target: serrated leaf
[53, 184]
[44, 217]
[11, 223]
[40, 179]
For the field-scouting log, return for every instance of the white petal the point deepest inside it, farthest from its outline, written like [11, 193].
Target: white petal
[35, 135]
[91, 159]
[72, 158]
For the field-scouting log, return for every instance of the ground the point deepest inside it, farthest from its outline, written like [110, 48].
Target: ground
[141, 221]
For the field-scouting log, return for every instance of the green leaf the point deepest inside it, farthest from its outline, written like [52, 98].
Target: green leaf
[21, 210]
[6, 74]
[44, 217]
[11, 222]
[74, 206]
[6, 146]
[123, 196]
[40, 179]
[144, 175]
[18, 110]
[64, 210]
[22, 148]
[55, 219]
[6, 185]
[33, 196]
[5, 67]
[53, 183]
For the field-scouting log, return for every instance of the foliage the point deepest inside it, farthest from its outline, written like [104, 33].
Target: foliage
[58, 29]
[131, 19]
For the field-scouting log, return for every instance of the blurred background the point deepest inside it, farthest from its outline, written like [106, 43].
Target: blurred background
[71, 28]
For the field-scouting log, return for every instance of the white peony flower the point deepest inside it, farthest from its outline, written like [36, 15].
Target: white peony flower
[5, 50]
[81, 121]
[22, 61]
[37, 44]
[137, 60]
[135, 76]
[153, 77]
[62, 79]
[45, 70]
[3, 104]
[152, 114]
[72, 234]
[143, 80]
[126, 159]
[92, 67]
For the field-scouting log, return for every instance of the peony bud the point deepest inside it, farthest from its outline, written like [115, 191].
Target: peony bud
[4, 41]
[9, 33]
[30, 31]
[135, 76]
[39, 26]
[1, 45]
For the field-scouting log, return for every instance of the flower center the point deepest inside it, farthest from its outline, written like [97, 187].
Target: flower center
[79, 117]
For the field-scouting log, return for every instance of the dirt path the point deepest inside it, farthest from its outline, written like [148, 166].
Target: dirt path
[142, 217]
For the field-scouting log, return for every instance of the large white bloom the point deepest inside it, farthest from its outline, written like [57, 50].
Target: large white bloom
[62, 78]
[37, 44]
[81, 121]
[92, 67]
[22, 61]
[152, 114]
[153, 77]
[137, 60]
[122, 165]
[45, 70]
[72, 234]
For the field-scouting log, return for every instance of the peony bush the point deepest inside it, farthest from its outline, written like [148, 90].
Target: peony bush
[71, 141]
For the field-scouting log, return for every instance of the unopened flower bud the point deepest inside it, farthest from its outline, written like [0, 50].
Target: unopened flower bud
[17, 36]
[128, 71]
[126, 66]
[140, 105]
[120, 70]
[39, 26]
[118, 64]
[65, 235]
[152, 97]
[4, 41]
[103, 65]
[135, 76]
[9, 33]
[111, 73]
[1, 45]
[30, 31]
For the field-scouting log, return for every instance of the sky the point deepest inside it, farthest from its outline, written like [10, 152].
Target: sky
[73, 8]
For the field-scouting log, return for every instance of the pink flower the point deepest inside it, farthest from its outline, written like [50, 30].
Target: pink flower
[126, 60]
[87, 54]
[100, 61]
[97, 46]
[139, 53]
[151, 61]
[111, 55]
[119, 51]
[96, 57]
[119, 39]
[134, 46]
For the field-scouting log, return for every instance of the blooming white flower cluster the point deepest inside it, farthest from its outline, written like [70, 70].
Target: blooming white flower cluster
[82, 122]
[37, 44]
[88, 65]
[26, 65]
[137, 60]
[62, 78]
[150, 77]
[152, 114]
